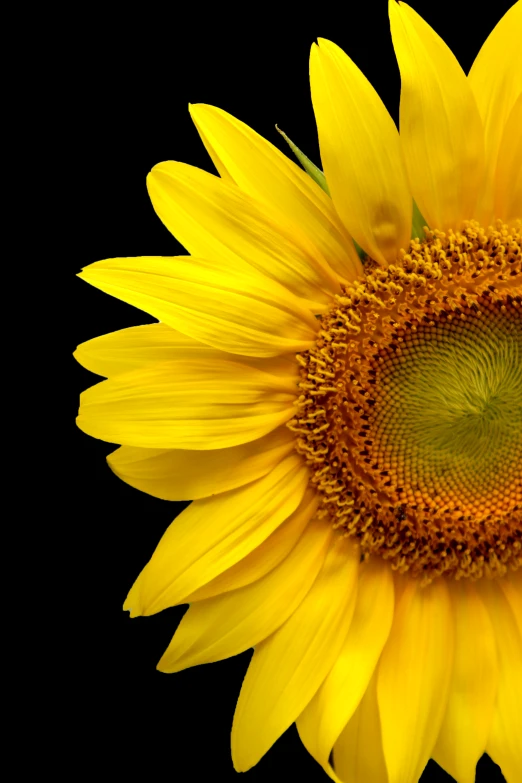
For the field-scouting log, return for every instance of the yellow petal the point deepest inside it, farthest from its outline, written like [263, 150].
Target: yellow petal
[214, 533]
[361, 154]
[266, 556]
[129, 349]
[508, 174]
[218, 163]
[504, 744]
[441, 129]
[178, 474]
[232, 310]
[358, 755]
[187, 405]
[511, 585]
[215, 219]
[229, 624]
[288, 667]
[465, 728]
[133, 348]
[294, 199]
[495, 78]
[413, 679]
[323, 720]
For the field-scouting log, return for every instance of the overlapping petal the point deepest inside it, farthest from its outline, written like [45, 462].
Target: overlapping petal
[361, 154]
[512, 588]
[213, 534]
[266, 556]
[291, 196]
[191, 404]
[215, 219]
[220, 627]
[323, 720]
[236, 310]
[358, 755]
[134, 347]
[505, 611]
[440, 126]
[138, 346]
[179, 474]
[508, 173]
[289, 666]
[473, 689]
[413, 679]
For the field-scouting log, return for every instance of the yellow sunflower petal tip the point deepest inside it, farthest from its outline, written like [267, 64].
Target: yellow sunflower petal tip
[132, 603]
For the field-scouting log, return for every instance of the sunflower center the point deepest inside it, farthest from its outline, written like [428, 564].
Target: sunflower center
[410, 415]
[447, 421]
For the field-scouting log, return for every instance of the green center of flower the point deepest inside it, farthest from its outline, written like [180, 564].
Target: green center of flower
[448, 412]
[411, 409]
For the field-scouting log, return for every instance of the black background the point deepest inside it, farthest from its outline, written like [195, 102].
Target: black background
[134, 74]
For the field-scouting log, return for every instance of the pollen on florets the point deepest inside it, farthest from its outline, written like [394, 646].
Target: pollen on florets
[410, 412]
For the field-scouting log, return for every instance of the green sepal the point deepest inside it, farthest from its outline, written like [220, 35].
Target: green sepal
[360, 252]
[310, 168]
[417, 223]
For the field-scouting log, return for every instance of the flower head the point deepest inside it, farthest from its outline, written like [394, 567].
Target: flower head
[335, 381]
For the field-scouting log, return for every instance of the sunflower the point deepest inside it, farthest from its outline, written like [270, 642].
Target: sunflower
[335, 381]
